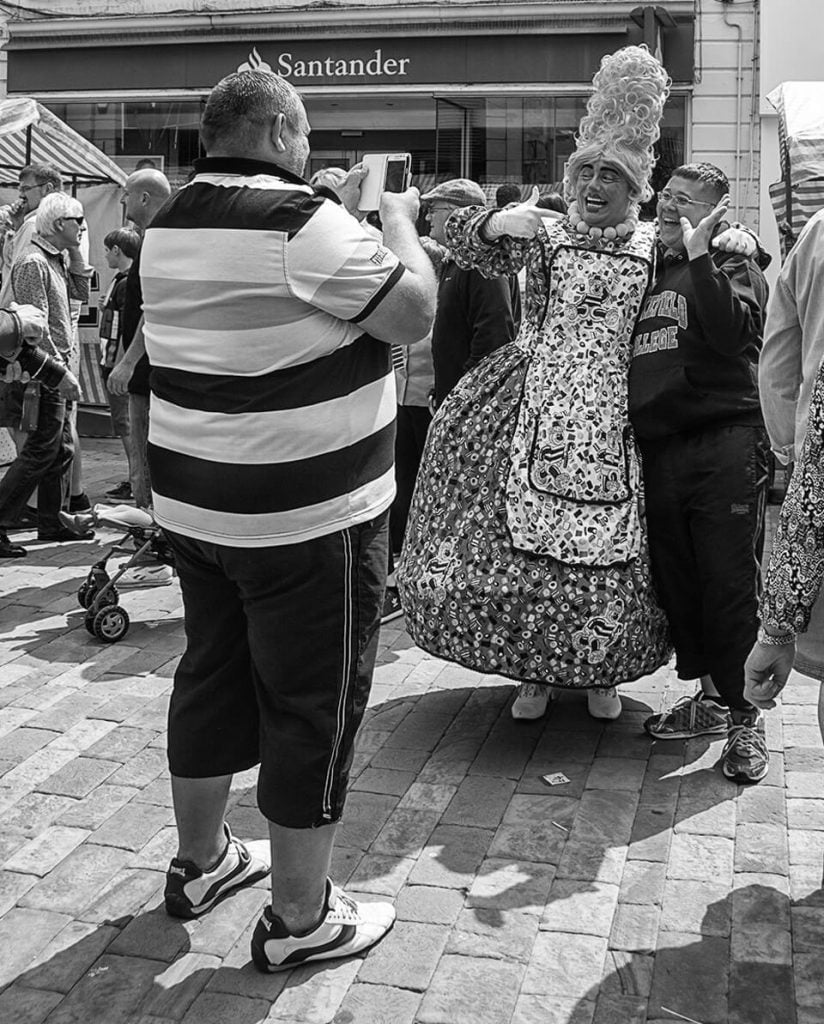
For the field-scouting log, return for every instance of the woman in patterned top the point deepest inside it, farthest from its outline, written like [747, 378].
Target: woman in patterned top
[796, 569]
[525, 554]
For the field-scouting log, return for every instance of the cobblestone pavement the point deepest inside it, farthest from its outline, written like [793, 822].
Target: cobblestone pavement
[645, 889]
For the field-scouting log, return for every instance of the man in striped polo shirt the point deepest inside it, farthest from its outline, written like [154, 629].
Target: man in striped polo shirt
[268, 315]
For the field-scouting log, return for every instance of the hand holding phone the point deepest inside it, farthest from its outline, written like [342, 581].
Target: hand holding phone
[384, 172]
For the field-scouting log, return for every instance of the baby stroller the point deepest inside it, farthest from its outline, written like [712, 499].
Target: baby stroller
[98, 593]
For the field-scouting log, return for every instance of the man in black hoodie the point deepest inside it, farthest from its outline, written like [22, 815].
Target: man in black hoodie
[694, 406]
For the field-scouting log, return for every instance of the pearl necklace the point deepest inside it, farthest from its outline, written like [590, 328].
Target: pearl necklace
[622, 230]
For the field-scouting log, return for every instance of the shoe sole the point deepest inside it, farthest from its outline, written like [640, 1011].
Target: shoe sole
[260, 960]
[683, 735]
[742, 779]
[391, 617]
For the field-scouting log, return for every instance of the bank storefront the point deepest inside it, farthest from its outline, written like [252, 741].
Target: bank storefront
[494, 94]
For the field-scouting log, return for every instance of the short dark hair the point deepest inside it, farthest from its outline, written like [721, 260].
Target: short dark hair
[707, 174]
[44, 174]
[126, 240]
[551, 201]
[507, 193]
[244, 100]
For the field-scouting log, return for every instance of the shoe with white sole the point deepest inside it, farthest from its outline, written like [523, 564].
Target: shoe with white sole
[347, 927]
[531, 702]
[604, 704]
[154, 575]
[190, 892]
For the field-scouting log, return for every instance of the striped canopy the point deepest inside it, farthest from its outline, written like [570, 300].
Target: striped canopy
[30, 133]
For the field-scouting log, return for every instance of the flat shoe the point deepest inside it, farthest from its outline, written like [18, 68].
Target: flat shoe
[9, 550]
[604, 704]
[63, 535]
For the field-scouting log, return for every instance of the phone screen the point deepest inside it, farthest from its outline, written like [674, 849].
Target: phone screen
[395, 176]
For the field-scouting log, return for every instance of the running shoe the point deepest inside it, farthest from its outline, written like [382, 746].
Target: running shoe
[347, 927]
[604, 704]
[391, 606]
[190, 892]
[745, 757]
[698, 715]
[531, 702]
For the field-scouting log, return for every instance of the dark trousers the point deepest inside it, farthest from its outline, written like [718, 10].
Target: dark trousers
[705, 498]
[410, 438]
[44, 462]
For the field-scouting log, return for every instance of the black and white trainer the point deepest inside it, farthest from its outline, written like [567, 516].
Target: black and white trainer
[347, 927]
[190, 891]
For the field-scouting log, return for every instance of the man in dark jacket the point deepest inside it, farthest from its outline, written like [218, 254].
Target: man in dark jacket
[693, 401]
[475, 315]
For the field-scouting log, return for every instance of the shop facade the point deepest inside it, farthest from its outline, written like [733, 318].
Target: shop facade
[490, 93]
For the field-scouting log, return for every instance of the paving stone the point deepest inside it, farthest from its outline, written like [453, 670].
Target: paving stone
[528, 809]
[419, 731]
[217, 1008]
[762, 848]
[124, 895]
[677, 966]
[22, 1005]
[577, 907]
[499, 934]
[805, 883]
[22, 743]
[400, 758]
[216, 932]
[806, 847]
[152, 934]
[381, 874]
[804, 759]
[377, 1004]
[12, 886]
[407, 957]
[93, 810]
[606, 816]
[76, 881]
[79, 777]
[806, 814]
[620, 1010]
[312, 995]
[428, 796]
[564, 965]
[809, 990]
[761, 993]
[759, 805]
[577, 746]
[177, 987]
[759, 903]
[344, 862]
[141, 769]
[620, 744]
[427, 904]
[635, 928]
[471, 990]
[452, 857]
[158, 792]
[589, 860]
[808, 929]
[157, 852]
[503, 884]
[63, 961]
[538, 843]
[133, 826]
[506, 750]
[23, 934]
[621, 773]
[364, 817]
[533, 782]
[121, 744]
[707, 817]
[627, 974]
[29, 774]
[702, 908]
[700, 857]
[650, 838]
[384, 780]
[46, 850]
[479, 802]
[643, 883]
[762, 943]
[535, 1009]
[406, 832]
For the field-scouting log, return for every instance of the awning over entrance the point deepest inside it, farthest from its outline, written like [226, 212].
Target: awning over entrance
[29, 133]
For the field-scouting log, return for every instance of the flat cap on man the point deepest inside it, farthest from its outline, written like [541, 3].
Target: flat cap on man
[459, 192]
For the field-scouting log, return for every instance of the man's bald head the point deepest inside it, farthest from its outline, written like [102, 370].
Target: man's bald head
[144, 193]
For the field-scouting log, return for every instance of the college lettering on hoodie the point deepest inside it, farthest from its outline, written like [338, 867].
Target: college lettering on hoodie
[670, 305]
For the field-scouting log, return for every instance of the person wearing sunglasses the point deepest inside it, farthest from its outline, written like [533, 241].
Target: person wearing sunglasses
[694, 407]
[48, 273]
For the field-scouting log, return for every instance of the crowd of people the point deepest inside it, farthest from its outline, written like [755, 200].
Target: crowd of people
[581, 453]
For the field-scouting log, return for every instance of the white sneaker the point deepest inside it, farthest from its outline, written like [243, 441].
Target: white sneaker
[531, 701]
[348, 927]
[604, 703]
[146, 576]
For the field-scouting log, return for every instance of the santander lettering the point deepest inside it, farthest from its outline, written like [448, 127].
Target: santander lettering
[376, 66]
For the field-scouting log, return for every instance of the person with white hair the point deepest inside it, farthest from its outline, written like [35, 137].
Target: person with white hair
[43, 277]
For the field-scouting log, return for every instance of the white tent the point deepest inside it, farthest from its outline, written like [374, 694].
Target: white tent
[30, 133]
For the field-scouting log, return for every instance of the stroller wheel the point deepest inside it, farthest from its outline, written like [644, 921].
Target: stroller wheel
[83, 594]
[110, 624]
[110, 597]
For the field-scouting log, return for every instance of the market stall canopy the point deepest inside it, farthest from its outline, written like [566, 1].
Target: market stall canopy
[800, 193]
[31, 133]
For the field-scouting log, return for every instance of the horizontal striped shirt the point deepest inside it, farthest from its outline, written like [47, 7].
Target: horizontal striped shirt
[272, 411]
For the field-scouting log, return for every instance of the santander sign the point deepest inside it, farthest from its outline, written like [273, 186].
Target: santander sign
[374, 66]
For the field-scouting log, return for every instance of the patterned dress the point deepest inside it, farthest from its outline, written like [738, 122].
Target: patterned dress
[525, 553]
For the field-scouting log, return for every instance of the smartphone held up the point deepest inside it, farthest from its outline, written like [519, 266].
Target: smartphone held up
[385, 172]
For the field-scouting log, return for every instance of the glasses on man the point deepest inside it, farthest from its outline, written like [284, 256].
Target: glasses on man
[30, 188]
[80, 220]
[681, 201]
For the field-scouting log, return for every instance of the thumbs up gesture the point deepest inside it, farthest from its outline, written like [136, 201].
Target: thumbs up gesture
[520, 220]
